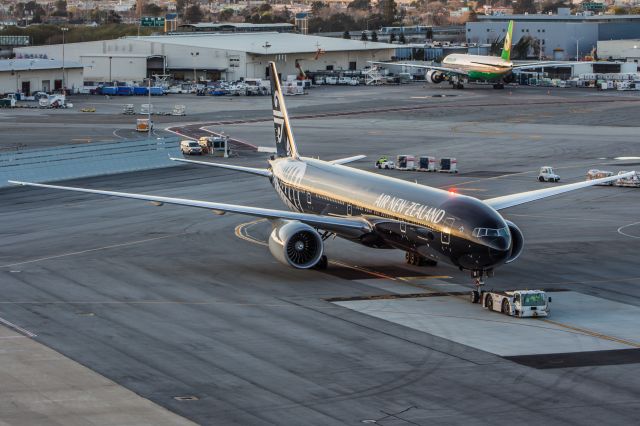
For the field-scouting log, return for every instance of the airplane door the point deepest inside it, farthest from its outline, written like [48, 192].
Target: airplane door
[445, 236]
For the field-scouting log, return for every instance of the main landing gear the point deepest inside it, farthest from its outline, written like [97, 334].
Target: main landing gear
[417, 260]
[322, 263]
[478, 277]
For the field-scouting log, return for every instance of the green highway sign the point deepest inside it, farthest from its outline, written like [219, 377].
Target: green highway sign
[150, 21]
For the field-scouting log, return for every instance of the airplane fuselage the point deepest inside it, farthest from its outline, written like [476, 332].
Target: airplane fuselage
[433, 223]
[480, 67]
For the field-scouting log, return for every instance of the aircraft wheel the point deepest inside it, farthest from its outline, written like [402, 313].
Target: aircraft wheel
[505, 307]
[475, 296]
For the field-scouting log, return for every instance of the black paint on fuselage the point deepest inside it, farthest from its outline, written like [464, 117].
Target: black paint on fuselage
[428, 221]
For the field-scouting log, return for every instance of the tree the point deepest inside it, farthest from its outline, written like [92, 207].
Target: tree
[317, 6]
[619, 10]
[61, 8]
[225, 15]
[374, 36]
[152, 9]
[193, 14]
[346, 35]
[388, 10]
[364, 37]
[522, 6]
[360, 5]
[181, 6]
[402, 39]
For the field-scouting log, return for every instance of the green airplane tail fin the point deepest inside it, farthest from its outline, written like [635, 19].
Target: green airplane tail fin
[506, 50]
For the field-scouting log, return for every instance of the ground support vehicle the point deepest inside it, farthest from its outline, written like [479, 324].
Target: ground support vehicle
[516, 303]
[384, 163]
[448, 165]
[427, 164]
[598, 174]
[629, 182]
[144, 125]
[190, 147]
[406, 162]
[547, 175]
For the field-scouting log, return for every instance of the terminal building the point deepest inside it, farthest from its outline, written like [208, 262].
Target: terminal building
[34, 75]
[215, 56]
[560, 36]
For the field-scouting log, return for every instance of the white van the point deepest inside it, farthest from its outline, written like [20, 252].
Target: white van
[190, 147]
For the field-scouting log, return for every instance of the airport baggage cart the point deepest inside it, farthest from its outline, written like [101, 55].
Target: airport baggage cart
[448, 165]
[406, 162]
[427, 164]
[599, 174]
[632, 181]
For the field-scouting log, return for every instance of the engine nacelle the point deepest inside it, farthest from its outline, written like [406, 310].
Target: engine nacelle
[434, 76]
[517, 241]
[296, 244]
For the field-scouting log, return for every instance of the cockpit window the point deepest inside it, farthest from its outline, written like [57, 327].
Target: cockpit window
[490, 232]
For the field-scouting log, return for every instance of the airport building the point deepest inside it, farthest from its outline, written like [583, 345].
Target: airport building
[229, 56]
[625, 50]
[32, 75]
[560, 36]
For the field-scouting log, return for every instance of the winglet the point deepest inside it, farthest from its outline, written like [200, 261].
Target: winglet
[506, 50]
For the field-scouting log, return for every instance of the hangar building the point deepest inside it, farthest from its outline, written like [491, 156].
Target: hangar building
[34, 75]
[561, 35]
[228, 56]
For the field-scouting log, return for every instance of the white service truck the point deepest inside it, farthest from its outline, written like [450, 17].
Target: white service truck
[516, 303]
[547, 175]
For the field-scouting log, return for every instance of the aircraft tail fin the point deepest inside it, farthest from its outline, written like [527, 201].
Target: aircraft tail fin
[285, 144]
[506, 50]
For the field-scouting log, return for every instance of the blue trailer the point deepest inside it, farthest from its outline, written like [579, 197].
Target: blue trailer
[109, 90]
[125, 90]
[139, 91]
[157, 91]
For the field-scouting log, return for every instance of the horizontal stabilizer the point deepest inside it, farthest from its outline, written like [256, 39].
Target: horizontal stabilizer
[252, 170]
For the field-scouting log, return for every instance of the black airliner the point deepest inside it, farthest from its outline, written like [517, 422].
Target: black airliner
[326, 198]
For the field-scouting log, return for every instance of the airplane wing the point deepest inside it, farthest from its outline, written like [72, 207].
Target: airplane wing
[506, 201]
[252, 170]
[427, 67]
[348, 159]
[349, 225]
[541, 64]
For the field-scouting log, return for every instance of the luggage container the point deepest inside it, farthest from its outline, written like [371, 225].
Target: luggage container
[427, 164]
[406, 162]
[139, 91]
[125, 91]
[448, 165]
[109, 90]
[156, 91]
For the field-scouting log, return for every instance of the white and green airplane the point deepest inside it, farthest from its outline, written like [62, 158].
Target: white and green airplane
[458, 67]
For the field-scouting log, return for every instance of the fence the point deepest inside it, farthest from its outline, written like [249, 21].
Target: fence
[94, 159]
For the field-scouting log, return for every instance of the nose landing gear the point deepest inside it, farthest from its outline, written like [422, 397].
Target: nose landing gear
[478, 276]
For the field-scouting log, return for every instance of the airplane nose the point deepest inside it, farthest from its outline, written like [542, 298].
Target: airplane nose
[501, 243]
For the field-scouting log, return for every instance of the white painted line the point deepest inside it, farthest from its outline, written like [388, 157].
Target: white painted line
[628, 235]
[17, 328]
[57, 256]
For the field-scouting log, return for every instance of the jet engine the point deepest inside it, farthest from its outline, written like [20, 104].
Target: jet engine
[434, 76]
[517, 241]
[296, 244]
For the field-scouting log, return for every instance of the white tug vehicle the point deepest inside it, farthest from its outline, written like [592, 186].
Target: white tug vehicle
[516, 303]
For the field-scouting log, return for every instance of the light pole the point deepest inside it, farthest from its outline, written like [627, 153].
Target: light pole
[194, 55]
[266, 46]
[110, 57]
[578, 48]
[64, 90]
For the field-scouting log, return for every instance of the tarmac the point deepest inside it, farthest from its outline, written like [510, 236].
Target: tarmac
[190, 312]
